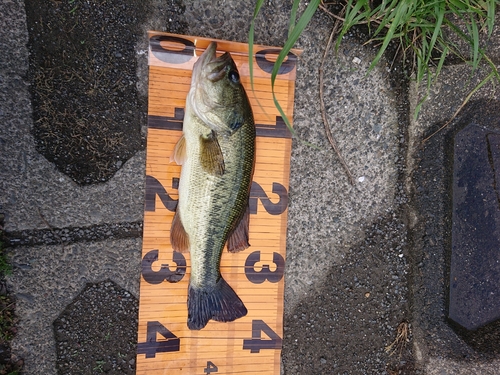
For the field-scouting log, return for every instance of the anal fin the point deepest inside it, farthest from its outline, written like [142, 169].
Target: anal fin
[212, 159]
[178, 236]
[238, 238]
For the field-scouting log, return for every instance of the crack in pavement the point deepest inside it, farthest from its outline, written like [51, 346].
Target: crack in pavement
[58, 236]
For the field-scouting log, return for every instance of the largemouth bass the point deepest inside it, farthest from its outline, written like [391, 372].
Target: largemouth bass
[217, 152]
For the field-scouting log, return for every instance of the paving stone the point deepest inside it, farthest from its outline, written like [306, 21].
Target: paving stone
[440, 345]
[475, 259]
[97, 331]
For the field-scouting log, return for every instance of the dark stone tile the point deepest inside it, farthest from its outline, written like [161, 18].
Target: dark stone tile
[475, 259]
[97, 332]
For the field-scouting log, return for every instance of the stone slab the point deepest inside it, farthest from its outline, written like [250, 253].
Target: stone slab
[46, 279]
[475, 257]
[440, 345]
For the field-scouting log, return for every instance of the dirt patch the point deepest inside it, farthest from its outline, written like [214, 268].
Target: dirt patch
[87, 111]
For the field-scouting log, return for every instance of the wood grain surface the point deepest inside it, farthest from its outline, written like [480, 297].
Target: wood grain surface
[251, 344]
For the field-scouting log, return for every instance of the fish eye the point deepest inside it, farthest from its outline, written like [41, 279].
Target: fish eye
[234, 76]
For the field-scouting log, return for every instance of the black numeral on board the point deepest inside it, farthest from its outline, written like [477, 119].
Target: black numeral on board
[172, 56]
[164, 273]
[210, 368]
[257, 192]
[151, 346]
[155, 188]
[256, 343]
[268, 65]
[258, 277]
[185, 52]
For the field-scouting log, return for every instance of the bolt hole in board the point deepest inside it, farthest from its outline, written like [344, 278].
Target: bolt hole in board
[251, 344]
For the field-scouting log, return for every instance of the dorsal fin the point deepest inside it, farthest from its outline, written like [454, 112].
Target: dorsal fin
[212, 159]
[179, 153]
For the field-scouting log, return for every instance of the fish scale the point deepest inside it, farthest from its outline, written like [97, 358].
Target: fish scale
[217, 205]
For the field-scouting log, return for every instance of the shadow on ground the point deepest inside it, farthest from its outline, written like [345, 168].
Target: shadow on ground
[356, 311]
[431, 239]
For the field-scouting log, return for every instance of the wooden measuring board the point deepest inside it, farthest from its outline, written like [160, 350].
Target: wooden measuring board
[251, 344]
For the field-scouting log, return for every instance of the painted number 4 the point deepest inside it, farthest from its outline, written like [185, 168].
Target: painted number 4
[256, 343]
[171, 342]
[210, 368]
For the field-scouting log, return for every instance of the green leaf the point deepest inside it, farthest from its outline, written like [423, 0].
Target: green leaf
[404, 6]
[441, 60]
[251, 33]
[475, 43]
[439, 14]
[491, 4]
[293, 16]
[292, 39]
[351, 18]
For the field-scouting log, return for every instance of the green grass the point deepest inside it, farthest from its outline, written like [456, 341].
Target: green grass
[294, 32]
[418, 27]
[5, 266]
[8, 320]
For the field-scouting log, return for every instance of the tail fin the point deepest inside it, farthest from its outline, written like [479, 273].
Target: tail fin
[220, 303]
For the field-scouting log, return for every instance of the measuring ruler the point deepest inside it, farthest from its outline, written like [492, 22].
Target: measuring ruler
[251, 344]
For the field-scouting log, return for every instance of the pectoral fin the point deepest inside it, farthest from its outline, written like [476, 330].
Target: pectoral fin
[212, 159]
[178, 236]
[179, 153]
[238, 238]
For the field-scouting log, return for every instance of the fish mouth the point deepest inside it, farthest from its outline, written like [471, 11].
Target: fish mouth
[210, 65]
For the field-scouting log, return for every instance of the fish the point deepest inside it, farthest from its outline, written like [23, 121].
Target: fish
[217, 154]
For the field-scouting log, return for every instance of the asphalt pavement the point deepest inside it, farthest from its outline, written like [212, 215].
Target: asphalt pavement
[365, 262]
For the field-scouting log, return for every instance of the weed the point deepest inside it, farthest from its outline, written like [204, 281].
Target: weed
[8, 321]
[5, 266]
[402, 338]
[99, 366]
[294, 32]
[4, 370]
[418, 26]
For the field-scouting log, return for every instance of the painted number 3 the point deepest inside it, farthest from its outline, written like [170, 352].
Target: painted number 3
[258, 277]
